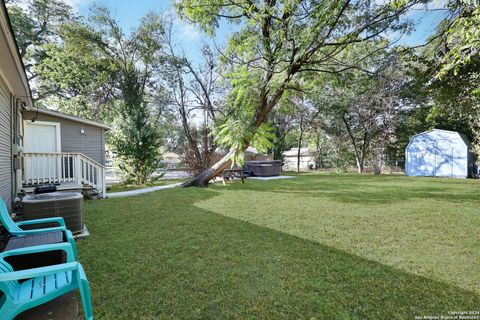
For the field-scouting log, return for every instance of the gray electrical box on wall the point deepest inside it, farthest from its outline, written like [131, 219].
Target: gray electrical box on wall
[17, 163]
[16, 149]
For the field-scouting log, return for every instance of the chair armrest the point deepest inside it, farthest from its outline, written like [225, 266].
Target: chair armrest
[69, 237]
[81, 273]
[67, 247]
[38, 272]
[58, 220]
[37, 231]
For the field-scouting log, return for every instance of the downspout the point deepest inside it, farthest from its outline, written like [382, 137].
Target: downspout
[82, 133]
[13, 180]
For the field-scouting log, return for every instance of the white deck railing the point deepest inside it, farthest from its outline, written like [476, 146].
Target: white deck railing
[63, 168]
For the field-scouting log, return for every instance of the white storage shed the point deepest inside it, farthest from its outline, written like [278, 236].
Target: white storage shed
[439, 153]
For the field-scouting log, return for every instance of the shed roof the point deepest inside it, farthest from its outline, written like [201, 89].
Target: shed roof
[440, 134]
[70, 117]
[305, 151]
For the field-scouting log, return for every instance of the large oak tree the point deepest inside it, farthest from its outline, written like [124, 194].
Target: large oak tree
[277, 41]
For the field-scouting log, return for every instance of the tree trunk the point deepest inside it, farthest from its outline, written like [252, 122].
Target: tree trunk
[378, 166]
[261, 114]
[202, 179]
[299, 144]
[379, 160]
[358, 155]
[359, 160]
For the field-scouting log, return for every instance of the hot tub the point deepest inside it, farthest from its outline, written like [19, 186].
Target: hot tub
[68, 205]
[264, 168]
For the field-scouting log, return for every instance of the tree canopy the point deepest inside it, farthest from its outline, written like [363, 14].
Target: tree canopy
[293, 73]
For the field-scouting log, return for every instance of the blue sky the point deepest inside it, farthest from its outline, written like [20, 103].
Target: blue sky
[128, 13]
[190, 38]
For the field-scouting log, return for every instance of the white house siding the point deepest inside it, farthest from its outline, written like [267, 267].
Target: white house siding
[290, 163]
[290, 159]
[6, 171]
[91, 143]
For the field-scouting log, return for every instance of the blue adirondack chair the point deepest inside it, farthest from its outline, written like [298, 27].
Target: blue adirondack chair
[41, 285]
[15, 230]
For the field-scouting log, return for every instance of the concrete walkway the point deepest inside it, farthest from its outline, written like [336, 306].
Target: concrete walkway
[141, 191]
[271, 178]
[63, 308]
[169, 186]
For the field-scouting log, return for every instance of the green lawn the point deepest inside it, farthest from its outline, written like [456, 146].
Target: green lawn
[313, 247]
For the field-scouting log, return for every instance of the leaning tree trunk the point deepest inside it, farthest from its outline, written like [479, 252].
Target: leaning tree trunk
[203, 178]
[261, 114]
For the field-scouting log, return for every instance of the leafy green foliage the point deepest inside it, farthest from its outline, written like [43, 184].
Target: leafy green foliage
[76, 77]
[447, 72]
[362, 105]
[137, 143]
[462, 40]
[136, 138]
[276, 42]
[36, 23]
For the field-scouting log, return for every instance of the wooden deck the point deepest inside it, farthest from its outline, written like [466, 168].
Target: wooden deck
[67, 170]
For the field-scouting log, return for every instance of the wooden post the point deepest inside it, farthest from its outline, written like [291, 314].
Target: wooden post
[78, 170]
[104, 184]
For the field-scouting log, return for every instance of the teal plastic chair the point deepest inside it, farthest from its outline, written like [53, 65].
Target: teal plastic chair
[41, 285]
[14, 228]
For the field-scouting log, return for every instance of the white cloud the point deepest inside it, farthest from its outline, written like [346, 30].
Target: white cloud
[188, 31]
[76, 4]
[436, 4]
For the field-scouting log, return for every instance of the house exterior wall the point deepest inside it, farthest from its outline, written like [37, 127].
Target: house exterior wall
[14, 94]
[6, 170]
[290, 163]
[438, 153]
[91, 143]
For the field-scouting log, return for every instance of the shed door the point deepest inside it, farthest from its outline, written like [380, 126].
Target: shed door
[42, 140]
[444, 163]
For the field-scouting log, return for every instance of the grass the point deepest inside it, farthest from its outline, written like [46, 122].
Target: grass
[119, 187]
[313, 247]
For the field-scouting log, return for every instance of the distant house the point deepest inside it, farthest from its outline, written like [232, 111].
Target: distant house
[63, 149]
[307, 159]
[439, 153]
[251, 154]
[172, 160]
[14, 96]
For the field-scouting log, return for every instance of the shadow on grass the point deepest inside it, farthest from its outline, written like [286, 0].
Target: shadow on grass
[158, 256]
